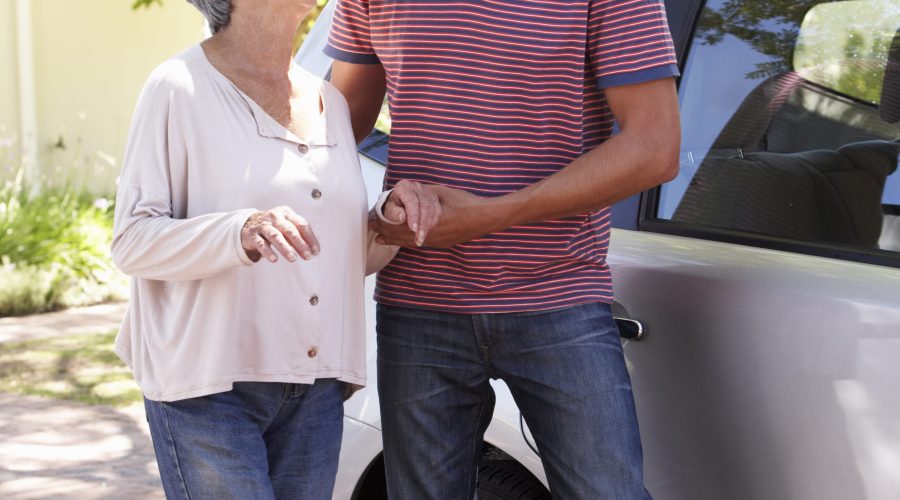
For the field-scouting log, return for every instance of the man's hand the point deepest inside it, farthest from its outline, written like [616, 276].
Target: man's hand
[417, 206]
[464, 217]
[282, 229]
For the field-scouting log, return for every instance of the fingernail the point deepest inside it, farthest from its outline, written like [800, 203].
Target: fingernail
[415, 227]
[420, 240]
[292, 256]
[307, 255]
[272, 258]
[315, 250]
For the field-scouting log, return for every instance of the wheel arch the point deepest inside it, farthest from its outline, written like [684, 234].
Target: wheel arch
[371, 484]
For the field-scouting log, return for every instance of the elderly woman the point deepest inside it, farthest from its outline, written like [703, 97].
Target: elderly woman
[245, 328]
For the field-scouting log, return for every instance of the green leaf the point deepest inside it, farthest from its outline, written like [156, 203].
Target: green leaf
[138, 4]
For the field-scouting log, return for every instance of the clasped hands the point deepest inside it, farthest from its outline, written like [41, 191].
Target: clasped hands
[429, 215]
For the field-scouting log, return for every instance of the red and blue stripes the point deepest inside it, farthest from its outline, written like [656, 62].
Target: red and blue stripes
[491, 96]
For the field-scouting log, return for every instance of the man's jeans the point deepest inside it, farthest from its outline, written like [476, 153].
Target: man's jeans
[565, 369]
[259, 441]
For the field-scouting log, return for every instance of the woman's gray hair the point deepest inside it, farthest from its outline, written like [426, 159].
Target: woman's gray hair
[216, 12]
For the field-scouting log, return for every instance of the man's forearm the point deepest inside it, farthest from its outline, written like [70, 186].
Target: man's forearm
[643, 155]
[363, 85]
[622, 166]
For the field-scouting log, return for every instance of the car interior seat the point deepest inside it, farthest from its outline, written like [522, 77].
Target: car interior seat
[745, 131]
[818, 195]
[753, 180]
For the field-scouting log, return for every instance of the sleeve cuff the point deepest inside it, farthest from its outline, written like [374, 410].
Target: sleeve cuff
[641, 76]
[350, 57]
[239, 219]
[379, 208]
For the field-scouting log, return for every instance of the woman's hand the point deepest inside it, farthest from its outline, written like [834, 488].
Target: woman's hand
[415, 204]
[464, 217]
[282, 229]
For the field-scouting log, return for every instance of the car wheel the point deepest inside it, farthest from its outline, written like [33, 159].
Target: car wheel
[508, 480]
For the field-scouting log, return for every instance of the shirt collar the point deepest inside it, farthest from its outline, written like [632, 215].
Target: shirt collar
[268, 126]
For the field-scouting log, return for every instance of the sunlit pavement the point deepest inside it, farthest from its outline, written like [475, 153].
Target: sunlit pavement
[95, 319]
[61, 449]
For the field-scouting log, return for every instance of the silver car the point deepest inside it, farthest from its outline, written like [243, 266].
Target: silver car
[758, 293]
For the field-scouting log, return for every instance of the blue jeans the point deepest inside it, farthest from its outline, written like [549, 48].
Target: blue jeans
[564, 367]
[259, 440]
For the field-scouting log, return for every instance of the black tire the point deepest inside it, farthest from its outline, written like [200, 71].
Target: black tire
[508, 480]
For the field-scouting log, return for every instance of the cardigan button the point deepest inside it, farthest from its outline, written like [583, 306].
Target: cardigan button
[303, 148]
[316, 194]
[313, 352]
[314, 300]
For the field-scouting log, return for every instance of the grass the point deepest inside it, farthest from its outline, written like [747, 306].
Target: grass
[25, 290]
[54, 249]
[74, 367]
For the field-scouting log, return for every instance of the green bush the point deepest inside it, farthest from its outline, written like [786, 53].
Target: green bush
[26, 290]
[54, 249]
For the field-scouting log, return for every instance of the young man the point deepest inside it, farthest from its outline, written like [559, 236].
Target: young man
[506, 108]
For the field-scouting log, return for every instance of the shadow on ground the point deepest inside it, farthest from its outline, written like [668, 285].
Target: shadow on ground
[61, 449]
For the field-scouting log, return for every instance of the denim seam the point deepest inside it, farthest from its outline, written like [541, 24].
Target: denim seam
[299, 390]
[285, 395]
[175, 451]
[484, 352]
[470, 461]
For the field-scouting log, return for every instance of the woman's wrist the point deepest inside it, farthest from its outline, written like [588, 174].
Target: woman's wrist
[379, 208]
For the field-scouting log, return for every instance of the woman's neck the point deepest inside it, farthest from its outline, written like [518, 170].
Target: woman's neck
[258, 40]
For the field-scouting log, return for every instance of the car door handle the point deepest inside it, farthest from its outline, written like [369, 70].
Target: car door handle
[630, 329]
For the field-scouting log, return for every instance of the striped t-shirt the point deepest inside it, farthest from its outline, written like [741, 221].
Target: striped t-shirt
[491, 96]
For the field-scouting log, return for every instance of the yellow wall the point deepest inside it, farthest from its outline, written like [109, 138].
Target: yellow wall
[91, 58]
[9, 83]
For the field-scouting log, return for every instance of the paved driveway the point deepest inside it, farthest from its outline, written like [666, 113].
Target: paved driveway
[59, 449]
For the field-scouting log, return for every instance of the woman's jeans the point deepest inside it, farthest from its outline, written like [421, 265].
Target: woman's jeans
[259, 440]
[564, 367]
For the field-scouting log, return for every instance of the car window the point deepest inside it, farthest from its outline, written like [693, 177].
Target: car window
[790, 114]
[383, 124]
[375, 147]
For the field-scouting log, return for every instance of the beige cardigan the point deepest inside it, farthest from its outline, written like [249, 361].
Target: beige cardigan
[201, 157]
